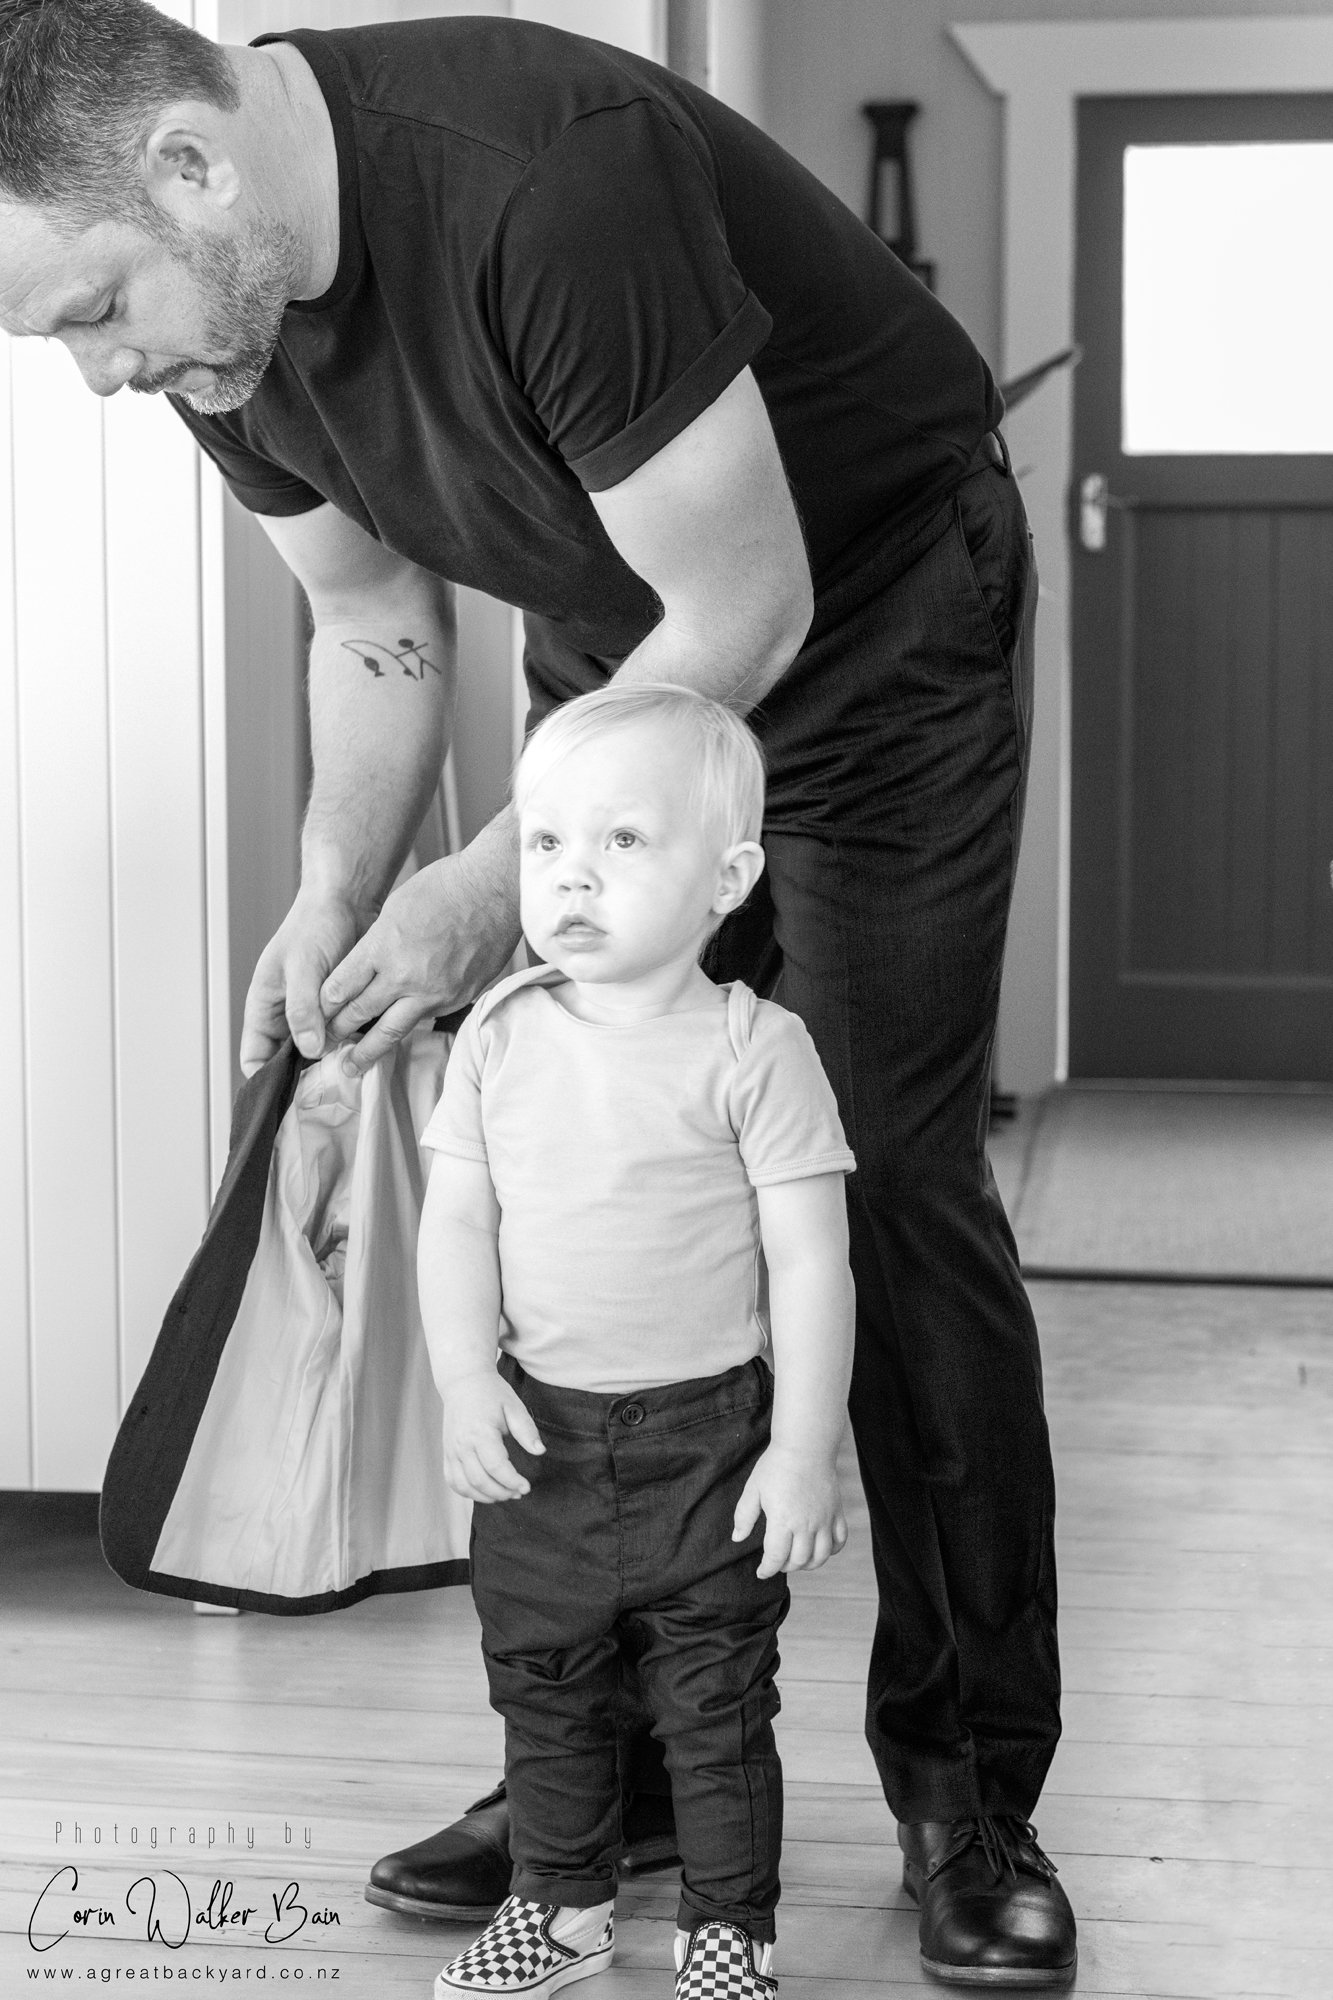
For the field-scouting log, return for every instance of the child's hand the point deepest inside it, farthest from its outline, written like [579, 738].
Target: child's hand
[480, 1411]
[800, 1500]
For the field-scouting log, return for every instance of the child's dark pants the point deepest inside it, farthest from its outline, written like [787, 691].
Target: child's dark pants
[623, 1547]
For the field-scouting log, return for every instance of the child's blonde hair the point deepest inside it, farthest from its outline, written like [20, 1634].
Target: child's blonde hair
[728, 787]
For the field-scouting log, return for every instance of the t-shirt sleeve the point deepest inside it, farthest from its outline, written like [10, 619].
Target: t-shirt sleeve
[783, 1108]
[455, 1125]
[259, 483]
[618, 306]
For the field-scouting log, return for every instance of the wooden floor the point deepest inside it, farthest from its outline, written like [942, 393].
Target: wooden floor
[1190, 1807]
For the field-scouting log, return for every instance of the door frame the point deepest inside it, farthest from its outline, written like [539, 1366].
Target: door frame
[1040, 70]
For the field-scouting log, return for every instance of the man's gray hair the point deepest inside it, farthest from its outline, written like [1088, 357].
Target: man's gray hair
[81, 83]
[728, 765]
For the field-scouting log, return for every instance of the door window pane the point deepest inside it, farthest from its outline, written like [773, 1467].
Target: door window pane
[1228, 299]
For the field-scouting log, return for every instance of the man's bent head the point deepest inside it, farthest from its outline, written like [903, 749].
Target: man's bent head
[81, 85]
[123, 231]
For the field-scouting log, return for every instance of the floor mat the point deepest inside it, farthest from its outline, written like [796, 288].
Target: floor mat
[1175, 1184]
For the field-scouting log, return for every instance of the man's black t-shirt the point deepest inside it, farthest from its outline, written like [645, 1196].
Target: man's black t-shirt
[553, 257]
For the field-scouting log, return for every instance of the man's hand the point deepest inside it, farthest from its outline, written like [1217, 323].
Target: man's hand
[801, 1502]
[315, 935]
[440, 938]
[480, 1411]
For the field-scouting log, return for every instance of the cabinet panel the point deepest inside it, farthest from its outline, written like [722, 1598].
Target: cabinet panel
[60, 627]
[15, 1443]
[157, 860]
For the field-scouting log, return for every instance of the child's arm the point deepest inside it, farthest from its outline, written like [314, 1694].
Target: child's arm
[803, 1225]
[458, 1280]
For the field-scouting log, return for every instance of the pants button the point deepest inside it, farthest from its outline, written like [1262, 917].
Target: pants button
[632, 1414]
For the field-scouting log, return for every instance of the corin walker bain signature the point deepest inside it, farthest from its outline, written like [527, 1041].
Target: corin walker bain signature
[160, 1910]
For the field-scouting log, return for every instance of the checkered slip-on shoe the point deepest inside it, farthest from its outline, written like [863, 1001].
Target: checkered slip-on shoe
[517, 1954]
[717, 1962]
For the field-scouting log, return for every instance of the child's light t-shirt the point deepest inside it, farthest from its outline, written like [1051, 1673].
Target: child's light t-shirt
[625, 1161]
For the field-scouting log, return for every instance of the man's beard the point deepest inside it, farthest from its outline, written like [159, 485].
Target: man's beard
[244, 286]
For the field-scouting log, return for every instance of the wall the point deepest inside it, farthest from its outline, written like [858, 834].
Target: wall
[820, 64]
[822, 61]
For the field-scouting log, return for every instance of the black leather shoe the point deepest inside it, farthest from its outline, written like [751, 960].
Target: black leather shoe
[458, 1874]
[462, 1873]
[992, 1912]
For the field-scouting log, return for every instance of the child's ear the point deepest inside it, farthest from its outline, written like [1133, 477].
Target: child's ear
[740, 869]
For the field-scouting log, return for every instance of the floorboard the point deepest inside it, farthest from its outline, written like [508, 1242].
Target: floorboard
[1190, 1805]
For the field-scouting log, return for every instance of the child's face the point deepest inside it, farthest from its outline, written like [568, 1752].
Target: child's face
[619, 876]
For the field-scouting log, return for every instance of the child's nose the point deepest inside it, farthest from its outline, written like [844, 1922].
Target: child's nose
[576, 871]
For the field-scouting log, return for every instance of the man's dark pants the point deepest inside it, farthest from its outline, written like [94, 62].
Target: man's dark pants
[622, 1549]
[897, 748]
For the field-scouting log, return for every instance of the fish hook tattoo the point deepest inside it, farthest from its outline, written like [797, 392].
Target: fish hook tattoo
[410, 658]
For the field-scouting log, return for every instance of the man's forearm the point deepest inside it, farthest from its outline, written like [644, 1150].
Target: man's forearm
[737, 667]
[381, 703]
[709, 523]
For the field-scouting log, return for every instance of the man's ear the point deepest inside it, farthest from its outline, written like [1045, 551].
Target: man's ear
[740, 869]
[188, 162]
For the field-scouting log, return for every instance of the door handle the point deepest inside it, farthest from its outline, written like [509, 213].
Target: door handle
[1095, 500]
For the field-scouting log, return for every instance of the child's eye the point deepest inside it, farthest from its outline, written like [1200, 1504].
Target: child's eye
[546, 843]
[624, 838]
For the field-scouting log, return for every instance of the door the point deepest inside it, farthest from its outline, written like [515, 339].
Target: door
[1201, 917]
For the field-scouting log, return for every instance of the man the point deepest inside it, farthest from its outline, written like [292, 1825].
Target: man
[471, 301]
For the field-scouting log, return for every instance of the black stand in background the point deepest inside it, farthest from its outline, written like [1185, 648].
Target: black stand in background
[891, 167]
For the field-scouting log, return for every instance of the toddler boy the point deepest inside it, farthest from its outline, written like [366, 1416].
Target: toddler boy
[637, 1190]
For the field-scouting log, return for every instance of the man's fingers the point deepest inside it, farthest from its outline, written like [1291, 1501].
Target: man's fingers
[347, 983]
[307, 1031]
[257, 1045]
[305, 1016]
[266, 1021]
[380, 1040]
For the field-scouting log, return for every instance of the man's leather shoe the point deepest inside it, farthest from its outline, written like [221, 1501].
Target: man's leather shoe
[458, 1874]
[992, 1912]
[462, 1873]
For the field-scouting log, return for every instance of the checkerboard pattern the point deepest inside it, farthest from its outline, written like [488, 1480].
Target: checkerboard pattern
[517, 1954]
[719, 1965]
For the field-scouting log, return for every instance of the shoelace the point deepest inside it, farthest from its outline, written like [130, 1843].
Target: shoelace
[1008, 1844]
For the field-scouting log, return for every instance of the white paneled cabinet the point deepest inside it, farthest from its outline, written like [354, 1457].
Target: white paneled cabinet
[105, 1050]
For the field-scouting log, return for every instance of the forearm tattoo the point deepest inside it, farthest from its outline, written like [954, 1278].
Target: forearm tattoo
[377, 657]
